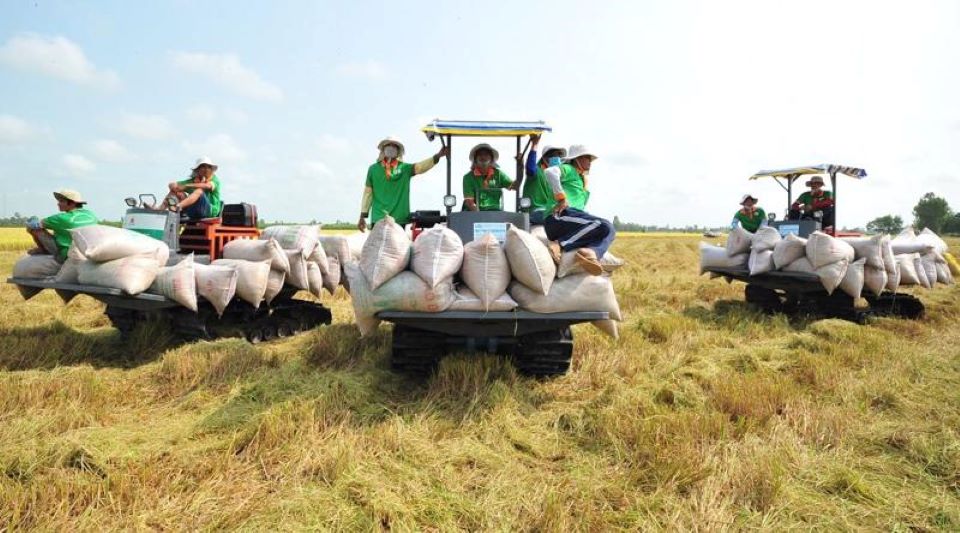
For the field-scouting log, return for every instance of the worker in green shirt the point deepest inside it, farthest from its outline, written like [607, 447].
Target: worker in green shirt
[483, 185]
[816, 200]
[386, 190]
[570, 226]
[199, 195]
[52, 234]
[535, 186]
[749, 216]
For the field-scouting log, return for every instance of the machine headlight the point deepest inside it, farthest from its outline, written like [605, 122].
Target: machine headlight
[525, 203]
[449, 200]
[131, 202]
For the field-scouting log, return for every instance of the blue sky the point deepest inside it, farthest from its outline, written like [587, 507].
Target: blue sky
[682, 100]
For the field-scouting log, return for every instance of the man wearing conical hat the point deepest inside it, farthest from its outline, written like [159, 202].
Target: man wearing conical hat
[386, 190]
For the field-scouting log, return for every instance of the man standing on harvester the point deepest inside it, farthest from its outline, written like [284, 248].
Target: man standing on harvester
[386, 190]
[816, 199]
[52, 234]
[570, 227]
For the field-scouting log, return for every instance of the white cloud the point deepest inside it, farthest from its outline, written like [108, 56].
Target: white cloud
[369, 69]
[150, 127]
[111, 151]
[220, 147]
[57, 57]
[77, 164]
[14, 130]
[331, 144]
[313, 169]
[207, 114]
[227, 71]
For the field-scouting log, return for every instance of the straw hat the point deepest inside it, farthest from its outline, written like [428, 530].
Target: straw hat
[815, 179]
[69, 194]
[579, 150]
[484, 146]
[205, 161]
[394, 141]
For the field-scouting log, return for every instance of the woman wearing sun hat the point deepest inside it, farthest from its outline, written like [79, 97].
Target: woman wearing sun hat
[749, 217]
[483, 185]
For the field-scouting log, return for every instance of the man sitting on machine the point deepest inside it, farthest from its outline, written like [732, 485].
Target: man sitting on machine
[198, 196]
[815, 200]
[483, 185]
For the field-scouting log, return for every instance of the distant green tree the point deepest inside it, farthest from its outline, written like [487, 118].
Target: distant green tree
[952, 225]
[889, 224]
[931, 212]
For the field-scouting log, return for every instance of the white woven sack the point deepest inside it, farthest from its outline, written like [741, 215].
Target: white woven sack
[297, 277]
[179, 283]
[275, 281]
[831, 275]
[738, 241]
[788, 250]
[929, 264]
[908, 269]
[921, 272]
[437, 255]
[466, 300]
[216, 284]
[716, 257]
[580, 292]
[929, 237]
[610, 327]
[336, 246]
[889, 260]
[385, 253]
[105, 243]
[485, 269]
[943, 274]
[36, 266]
[868, 248]
[404, 292]
[765, 238]
[315, 279]
[356, 241]
[853, 280]
[252, 278]
[823, 250]
[530, 261]
[893, 278]
[319, 256]
[541, 234]
[874, 279]
[332, 279]
[304, 238]
[257, 250]
[132, 274]
[800, 265]
[760, 262]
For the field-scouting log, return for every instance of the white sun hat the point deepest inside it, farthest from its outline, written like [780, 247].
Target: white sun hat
[69, 194]
[394, 141]
[484, 146]
[748, 197]
[579, 150]
[548, 148]
[205, 161]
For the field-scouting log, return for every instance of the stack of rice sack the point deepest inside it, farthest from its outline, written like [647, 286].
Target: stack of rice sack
[395, 274]
[854, 265]
[34, 267]
[308, 264]
[117, 258]
[340, 250]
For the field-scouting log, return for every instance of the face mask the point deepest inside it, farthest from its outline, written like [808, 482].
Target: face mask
[553, 161]
[390, 152]
[483, 162]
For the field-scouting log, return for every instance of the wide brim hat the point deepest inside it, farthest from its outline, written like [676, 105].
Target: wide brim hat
[579, 150]
[748, 197]
[69, 194]
[484, 146]
[205, 161]
[548, 148]
[815, 179]
[394, 141]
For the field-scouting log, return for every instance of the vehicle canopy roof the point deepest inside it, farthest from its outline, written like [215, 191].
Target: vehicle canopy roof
[793, 173]
[481, 128]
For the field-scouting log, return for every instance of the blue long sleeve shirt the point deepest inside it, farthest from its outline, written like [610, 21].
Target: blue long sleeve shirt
[531, 165]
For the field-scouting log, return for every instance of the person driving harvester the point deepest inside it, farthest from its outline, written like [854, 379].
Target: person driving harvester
[483, 185]
[750, 217]
[198, 196]
[816, 199]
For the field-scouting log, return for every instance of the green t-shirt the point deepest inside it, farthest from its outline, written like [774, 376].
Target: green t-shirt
[537, 189]
[751, 223]
[213, 195]
[807, 197]
[390, 196]
[573, 187]
[489, 198]
[61, 224]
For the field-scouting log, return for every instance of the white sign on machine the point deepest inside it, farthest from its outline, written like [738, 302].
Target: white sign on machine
[497, 229]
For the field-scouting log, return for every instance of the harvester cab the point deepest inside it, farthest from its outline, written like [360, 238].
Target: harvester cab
[202, 237]
[470, 225]
[803, 224]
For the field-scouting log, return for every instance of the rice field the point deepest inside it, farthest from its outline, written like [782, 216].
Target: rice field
[704, 415]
